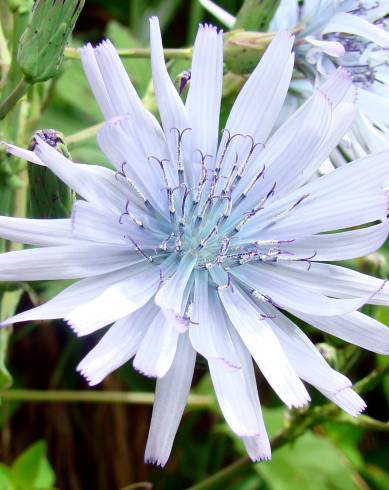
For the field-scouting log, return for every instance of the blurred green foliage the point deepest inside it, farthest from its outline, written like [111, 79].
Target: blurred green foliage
[30, 471]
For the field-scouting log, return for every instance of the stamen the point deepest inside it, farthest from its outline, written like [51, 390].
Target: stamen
[164, 243]
[167, 187]
[138, 248]
[205, 240]
[135, 190]
[226, 146]
[228, 285]
[286, 212]
[254, 210]
[250, 153]
[261, 297]
[202, 178]
[251, 185]
[128, 213]
[180, 164]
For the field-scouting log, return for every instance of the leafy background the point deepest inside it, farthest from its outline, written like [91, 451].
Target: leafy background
[100, 446]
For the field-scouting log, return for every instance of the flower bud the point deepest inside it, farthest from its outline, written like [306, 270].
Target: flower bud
[42, 44]
[243, 49]
[49, 196]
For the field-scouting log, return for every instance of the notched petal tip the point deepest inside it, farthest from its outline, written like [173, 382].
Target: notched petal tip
[210, 28]
[87, 47]
[154, 21]
[155, 461]
[258, 458]
[300, 403]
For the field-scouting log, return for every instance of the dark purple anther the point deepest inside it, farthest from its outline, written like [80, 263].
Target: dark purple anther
[184, 79]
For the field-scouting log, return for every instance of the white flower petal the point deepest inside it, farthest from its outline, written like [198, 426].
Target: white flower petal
[27, 155]
[258, 104]
[307, 361]
[117, 346]
[118, 300]
[336, 281]
[267, 86]
[170, 399]
[170, 296]
[234, 399]
[347, 400]
[209, 334]
[64, 262]
[258, 447]
[289, 294]
[67, 300]
[355, 327]
[118, 140]
[43, 232]
[96, 81]
[332, 48]
[299, 146]
[171, 108]
[204, 95]
[341, 246]
[91, 222]
[326, 204]
[263, 345]
[157, 348]
[356, 25]
[93, 182]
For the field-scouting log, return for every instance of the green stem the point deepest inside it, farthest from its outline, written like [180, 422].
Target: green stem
[85, 134]
[363, 421]
[95, 396]
[5, 55]
[18, 92]
[370, 381]
[173, 53]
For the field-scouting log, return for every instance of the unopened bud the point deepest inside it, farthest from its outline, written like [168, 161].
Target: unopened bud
[374, 264]
[329, 353]
[42, 44]
[49, 196]
[243, 49]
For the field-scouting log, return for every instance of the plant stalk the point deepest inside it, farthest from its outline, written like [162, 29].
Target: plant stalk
[95, 396]
[170, 54]
[17, 93]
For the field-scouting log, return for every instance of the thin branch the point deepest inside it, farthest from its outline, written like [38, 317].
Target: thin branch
[83, 135]
[363, 421]
[17, 93]
[96, 396]
[170, 54]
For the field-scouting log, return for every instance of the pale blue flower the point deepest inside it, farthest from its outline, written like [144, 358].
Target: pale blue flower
[352, 34]
[195, 245]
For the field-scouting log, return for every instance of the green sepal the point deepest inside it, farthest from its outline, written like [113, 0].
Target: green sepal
[49, 196]
[42, 44]
[243, 49]
[255, 15]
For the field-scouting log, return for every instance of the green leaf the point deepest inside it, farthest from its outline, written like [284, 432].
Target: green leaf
[49, 196]
[5, 478]
[310, 463]
[31, 470]
[255, 15]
